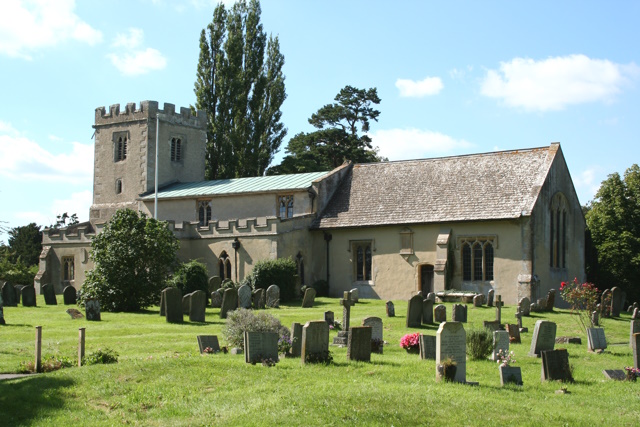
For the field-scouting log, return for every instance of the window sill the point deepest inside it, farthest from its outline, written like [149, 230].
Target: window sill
[364, 283]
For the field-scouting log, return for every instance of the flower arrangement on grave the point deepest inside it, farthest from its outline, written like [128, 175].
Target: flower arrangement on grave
[447, 368]
[632, 373]
[336, 326]
[411, 342]
[284, 344]
[583, 300]
[208, 350]
[324, 357]
[505, 358]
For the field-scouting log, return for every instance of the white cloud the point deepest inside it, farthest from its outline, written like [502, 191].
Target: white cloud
[403, 144]
[460, 74]
[131, 59]
[555, 83]
[78, 203]
[23, 159]
[29, 25]
[417, 89]
[587, 182]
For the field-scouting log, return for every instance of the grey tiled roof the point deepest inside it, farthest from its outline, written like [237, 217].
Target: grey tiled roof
[497, 185]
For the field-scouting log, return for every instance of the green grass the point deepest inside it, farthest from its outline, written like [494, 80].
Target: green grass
[161, 379]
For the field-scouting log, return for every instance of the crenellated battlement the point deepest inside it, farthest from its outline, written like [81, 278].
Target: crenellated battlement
[149, 110]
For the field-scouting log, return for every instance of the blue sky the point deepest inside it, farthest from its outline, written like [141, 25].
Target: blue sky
[454, 78]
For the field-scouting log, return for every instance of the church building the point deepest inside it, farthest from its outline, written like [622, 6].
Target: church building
[509, 220]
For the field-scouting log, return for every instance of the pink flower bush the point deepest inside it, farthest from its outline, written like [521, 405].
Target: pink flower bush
[410, 341]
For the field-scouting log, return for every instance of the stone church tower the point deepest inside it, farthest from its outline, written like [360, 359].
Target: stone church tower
[125, 153]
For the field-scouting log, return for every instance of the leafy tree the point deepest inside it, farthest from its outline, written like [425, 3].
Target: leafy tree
[25, 244]
[240, 85]
[613, 220]
[132, 259]
[64, 220]
[337, 138]
[191, 276]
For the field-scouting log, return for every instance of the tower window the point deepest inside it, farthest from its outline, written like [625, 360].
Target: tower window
[118, 186]
[121, 148]
[176, 149]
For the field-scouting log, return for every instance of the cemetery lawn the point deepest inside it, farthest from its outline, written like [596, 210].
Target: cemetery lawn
[161, 379]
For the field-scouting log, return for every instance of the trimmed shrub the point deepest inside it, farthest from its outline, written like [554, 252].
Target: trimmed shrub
[191, 276]
[281, 272]
[479, 343]
[242, 320]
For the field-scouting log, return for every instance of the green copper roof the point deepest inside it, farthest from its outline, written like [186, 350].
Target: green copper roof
[237, 185]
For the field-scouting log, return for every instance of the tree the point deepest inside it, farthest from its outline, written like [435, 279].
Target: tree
[25, 244]
[337, 138]
[63, 220]
[132, 256]
[191, 276]
[613, 220]
[241, 91]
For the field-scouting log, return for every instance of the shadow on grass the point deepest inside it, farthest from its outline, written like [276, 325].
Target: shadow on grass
[32, 398]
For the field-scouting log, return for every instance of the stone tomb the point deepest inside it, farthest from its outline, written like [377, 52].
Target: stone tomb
[216, 298]
[229, 302]
[309, 298]
[92, 309]
[28, 296]
[544, 337]
[273, 296]
[500, 342]
[451, 341]
[359, 344]
[9, 295]
[172, 298]
[514, 333]
[634, 329]
[244, 296]
[596, 340]
[296, 339]
[391, 310]
[69, 295]
[427, 311]
[555, 365]
[197, 306]
[414, 312]
[49, 294]
[459, 313]
[440, 313]
[259, 346]
[315, 341]
[427, 347]
[208, 341]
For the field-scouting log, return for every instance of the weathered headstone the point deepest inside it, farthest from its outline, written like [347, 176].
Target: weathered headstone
[478, 300]
[376, 327]
[499, 305]
[214, 283]
[432, 296]
[427, 311]
[173, 305]
[519, 318]
[616, 301]
[544, 337]
[551, 300]
[510, 375]
[615, 374]
[49, 294]
[490, 295]
[359, 344]
[427, 347]
[258, 299]
[391, 310]
[69, 295]
[229, 302]
[451, 341]
[459, 313]
[186, 303]
[605, 303]
[296, 339]
[162, 303]
[28, 296]
[525, 306]
[636, 314]
[355, 294]
[273, 296]
[315, 341]
[329, 317]
[595, 318]
[309, 298]
[244, 296]
[208, 341]
[259, 346]
[596, 339]
[9, 295]
[635, 346]
[198, 306]
[555, 365]
[500, 342]
[635, 328]
[74, 313]
[92, 309]
[414, 312]
[343, 336]
[440, 313]
[216, 298]
[514, 334]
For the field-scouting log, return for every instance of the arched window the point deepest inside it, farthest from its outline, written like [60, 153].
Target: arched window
[204, 213]
[477, 259]
[558, 231]
[224, 266]
[466, 261]
[488, 261]
[362, 251]
[285, 207]
[68, 268]
[176, 149]
[121, 148]
[118, 186]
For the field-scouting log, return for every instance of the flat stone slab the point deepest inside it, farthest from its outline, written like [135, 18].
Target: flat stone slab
[615, 374]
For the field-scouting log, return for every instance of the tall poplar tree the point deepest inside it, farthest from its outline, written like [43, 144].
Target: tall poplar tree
[240, 85]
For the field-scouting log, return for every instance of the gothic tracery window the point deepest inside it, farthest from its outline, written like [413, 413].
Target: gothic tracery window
[477, 259]
[204, 213]
[558, 231]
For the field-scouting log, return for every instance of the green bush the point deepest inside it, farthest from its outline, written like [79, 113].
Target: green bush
[281, 272]
[242, 320]
[321, 287]
[101, 357]
[48, 363]
[191, 276]
[229, 284]
[479, 343]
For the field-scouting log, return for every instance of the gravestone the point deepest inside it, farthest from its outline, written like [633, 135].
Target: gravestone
[615, 374]
[273, 296]
[229, 302]
[514, 334]
[510, 375]
[28, 296]
[492, 325]
[74, 313]
[635, 346]
[173, 305]
[359, 344]
[635, 328]
[343, 336]
[9, 295]
[490, 295]
[162, 303]
[355, 294]
[315, 341]
[605, 303]
[259, 346]
[551, 300]
[636, 314]
[459, 313]
[2, 321]
[596, 339]
[375, 323]
[216, 298]
[431, 296]
[451, 341]
[296, 339]
[440, 313]
[329, 317]
[427, 347]
[208, 341]
[616, 301]
[499, 305]
[49, 294]
[69, 295]
[478, 300]
[258, 299]
[544, 337]
[198, 306]
[391, 310]
[500, 342]
[186, 303]
[214, 283]
[92, 309]
[595, 318]
[414, 312]
[309, 298]
[525, 306]
[519, 318]
[244, 296]
[427, 311]
[555, 365]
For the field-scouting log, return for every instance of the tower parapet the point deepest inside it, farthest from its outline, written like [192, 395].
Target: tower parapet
[149, 110]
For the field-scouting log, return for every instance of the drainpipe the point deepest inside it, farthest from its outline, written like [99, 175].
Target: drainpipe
[327, 238]
[236, 245]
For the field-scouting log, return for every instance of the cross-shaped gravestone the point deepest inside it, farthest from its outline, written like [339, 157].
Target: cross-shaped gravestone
[499, 305]
[346, 302]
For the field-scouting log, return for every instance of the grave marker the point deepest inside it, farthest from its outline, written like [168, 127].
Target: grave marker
[635, 328]
[555, 365]
[214, 283]
[431, 296]
[451, 341]
[635, 346]
[391, 310]
[296, 339]
[514, 334]
[490, 295]
[9, 295]
[414, 312]
[69, 295]
[49, 294]
[186, 303]
[551, 300]
[524, 306]
[343, 335]
[2, 321]
[375, 323]
[459, 313]
[615, 374]
[492, 325]
[273, 296]
[500, 342]
[596, 339]
[28, 296]
[440, 313]
[315, 341]
[616, 301]
[427, 311]
[427, 347]
[229, 302]
[244, 296]
[259, 346]
[92, 309]
[355, 294]
[173, 305]
[499, 305]
[258, 299]
[309, 298]
[197, 306]
[208, 341]
[478, 300]
[359, 344]
[544, 337]
[216, 299]
[329, 317]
